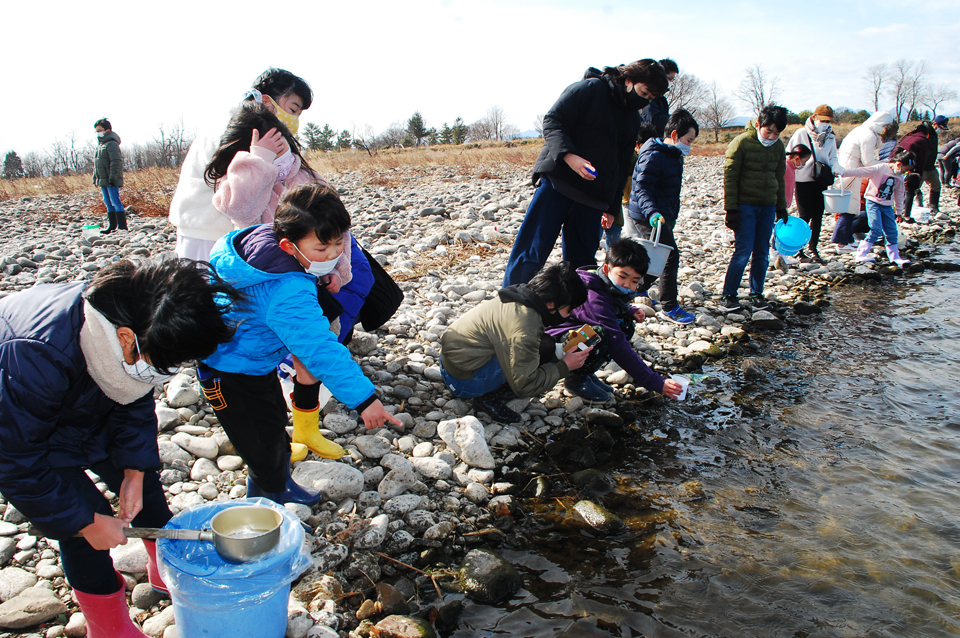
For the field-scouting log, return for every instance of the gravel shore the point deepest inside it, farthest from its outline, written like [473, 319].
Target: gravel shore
[401, 502]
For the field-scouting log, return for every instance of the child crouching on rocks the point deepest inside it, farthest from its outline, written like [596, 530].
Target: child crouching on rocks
[609, 292]
[884, 190]
[498, 351]
[278, 266]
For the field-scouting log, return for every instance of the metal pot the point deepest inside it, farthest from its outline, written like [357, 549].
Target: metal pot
[239, 534]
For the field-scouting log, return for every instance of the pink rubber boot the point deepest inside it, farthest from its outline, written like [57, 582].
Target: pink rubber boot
[153, 572]
[108, 616]
[863, 253]
[893, 252]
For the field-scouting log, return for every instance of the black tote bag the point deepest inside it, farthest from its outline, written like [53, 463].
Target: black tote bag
[384, 298]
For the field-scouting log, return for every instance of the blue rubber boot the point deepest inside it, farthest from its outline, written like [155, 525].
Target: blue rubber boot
[600, 384]
[580, 386]
[293, 492]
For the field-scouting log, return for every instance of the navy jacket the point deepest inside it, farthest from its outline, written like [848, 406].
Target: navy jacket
[354, 294]
[657, 179]
[657, 113]
[53, 414]
[590, 119]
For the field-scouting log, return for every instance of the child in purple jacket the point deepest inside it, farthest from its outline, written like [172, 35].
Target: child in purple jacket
[610, 289]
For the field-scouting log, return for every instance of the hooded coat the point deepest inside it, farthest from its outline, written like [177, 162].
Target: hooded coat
[860, 148]
[918, 144]
[53, 414]
[281, 316]
[657, 180]
[590, 119]
[108, 161]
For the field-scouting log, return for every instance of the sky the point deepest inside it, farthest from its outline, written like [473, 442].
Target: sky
[373, 63]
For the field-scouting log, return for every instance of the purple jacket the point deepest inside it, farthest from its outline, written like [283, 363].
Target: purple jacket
[600, 310]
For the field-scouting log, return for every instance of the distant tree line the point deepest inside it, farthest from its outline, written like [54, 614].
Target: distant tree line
[73, 154]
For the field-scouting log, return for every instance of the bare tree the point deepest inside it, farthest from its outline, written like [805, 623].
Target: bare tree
[497, 120]
[876, 78]
[34, 164]
[917, 85]
[393, 135]
[58, 158]
[757, 88]
[937, 95]
[716, 111]
[366, 139]
[538, 125]
[688, 92]
[898, 85]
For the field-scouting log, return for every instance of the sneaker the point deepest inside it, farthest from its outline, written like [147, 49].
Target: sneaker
[677, 315]
[646, 300]
[849, 248]
[729, 303]
[758, 302]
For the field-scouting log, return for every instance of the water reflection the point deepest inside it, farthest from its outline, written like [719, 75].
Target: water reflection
[821, 501]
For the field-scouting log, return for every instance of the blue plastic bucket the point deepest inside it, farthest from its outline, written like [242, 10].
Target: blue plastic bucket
[214, 598]
[790, 235]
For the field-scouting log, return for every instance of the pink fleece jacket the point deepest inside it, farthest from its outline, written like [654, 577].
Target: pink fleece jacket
[250, 191]
[885, 187]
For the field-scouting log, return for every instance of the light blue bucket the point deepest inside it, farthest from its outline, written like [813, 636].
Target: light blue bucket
[790, 235]
[214, 598]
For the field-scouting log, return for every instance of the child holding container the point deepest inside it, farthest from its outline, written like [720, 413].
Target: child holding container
[885, 190]
[278, 266]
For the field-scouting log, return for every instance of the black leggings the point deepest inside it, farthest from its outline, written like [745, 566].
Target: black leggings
[253, 414]
[91, 570]
[810, 205]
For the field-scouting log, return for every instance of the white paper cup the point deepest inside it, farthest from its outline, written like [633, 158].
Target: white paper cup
[684, 383]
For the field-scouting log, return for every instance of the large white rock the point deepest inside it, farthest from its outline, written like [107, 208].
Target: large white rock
[336, 481]
[372, 447]
[204, 468]
[181, 392]
[467, 439]
[167, 418]
[396, 462]
[198, 446]
[396, 482]
[339, 423]
[432, 468]
[130, 558]
[14, 580]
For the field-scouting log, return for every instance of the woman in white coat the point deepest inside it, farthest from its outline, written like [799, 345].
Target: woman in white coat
[859, 148]
[817, 135]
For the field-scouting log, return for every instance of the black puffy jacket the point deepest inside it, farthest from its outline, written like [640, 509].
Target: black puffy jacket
[590, 119]
[53, 414]
[657, 179]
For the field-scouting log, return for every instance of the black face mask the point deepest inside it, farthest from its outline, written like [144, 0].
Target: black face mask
[634, 101]
[553, 318]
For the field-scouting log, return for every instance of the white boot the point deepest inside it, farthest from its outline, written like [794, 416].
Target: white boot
[863, 253]
[893, 253]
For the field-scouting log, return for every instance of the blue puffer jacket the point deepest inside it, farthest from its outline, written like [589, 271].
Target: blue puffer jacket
[281, 316]
[352, 296]
[657, 179]
[53, 414]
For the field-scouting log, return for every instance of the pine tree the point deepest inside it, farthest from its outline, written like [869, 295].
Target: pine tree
[446, 134]
[344, 140]
[417, 128]
[12, 166]
[459, 131]
[326, 138]
[311, 136]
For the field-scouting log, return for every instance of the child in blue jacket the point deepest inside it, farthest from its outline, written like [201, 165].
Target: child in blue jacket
[277, 266]
[655, 202]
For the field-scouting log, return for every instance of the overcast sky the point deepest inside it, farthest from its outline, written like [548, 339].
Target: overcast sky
[141, 64]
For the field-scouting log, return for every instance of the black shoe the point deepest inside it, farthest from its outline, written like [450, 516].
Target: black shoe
[815, 256]
[493, 404]
[757, 302]
[729, 303]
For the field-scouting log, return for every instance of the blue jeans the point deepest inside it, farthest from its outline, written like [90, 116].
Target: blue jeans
[487, 378]
[548, 214]
[882, 222]
[753, 238]
[111, 197]
[612, 235]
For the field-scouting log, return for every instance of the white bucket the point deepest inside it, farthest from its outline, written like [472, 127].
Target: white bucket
[920, 215]
[684, 383]
[837, 201]
[658, 253]
[90, 232]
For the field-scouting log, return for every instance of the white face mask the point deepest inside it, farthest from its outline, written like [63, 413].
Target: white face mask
[285, 163]
[142, 371]
[823, 127]
[766, 142]
[319, 268]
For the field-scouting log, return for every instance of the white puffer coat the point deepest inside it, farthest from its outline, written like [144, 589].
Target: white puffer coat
[859, 148]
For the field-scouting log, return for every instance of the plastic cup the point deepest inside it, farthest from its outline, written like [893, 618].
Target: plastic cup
[684, 383]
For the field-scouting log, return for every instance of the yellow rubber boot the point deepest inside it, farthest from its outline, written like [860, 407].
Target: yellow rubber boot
[306, 430]
[298, 452]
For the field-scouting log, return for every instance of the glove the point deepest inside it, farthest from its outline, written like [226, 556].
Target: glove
[656, 220]
[782, 214]
[733, 220]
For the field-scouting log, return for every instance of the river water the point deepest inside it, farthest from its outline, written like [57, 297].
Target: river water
[823, 500]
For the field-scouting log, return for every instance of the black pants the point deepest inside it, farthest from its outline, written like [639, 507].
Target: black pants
[253, 414]
[810, 205]
[668, 279]
[91, 570]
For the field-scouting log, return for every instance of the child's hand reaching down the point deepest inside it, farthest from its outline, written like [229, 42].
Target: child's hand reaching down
[375, 415]
[672, 389]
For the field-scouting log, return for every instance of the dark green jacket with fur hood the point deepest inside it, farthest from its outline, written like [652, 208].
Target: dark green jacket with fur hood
[753, 173]
[108, 161]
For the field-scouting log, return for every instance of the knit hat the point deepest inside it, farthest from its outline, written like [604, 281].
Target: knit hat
[824, 113]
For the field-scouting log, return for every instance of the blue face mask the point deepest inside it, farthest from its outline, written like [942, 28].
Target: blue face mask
[684, 148]
[624, 290]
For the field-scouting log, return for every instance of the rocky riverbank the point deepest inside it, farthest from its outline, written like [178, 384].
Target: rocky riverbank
[405, 510]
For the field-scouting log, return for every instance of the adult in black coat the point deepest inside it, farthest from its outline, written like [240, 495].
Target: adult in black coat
[78, 367]
[589, 137]
[658, 111]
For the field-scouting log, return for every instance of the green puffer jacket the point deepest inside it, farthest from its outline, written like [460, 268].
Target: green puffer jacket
[108, 161]
[509, 331]
[753, 173]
